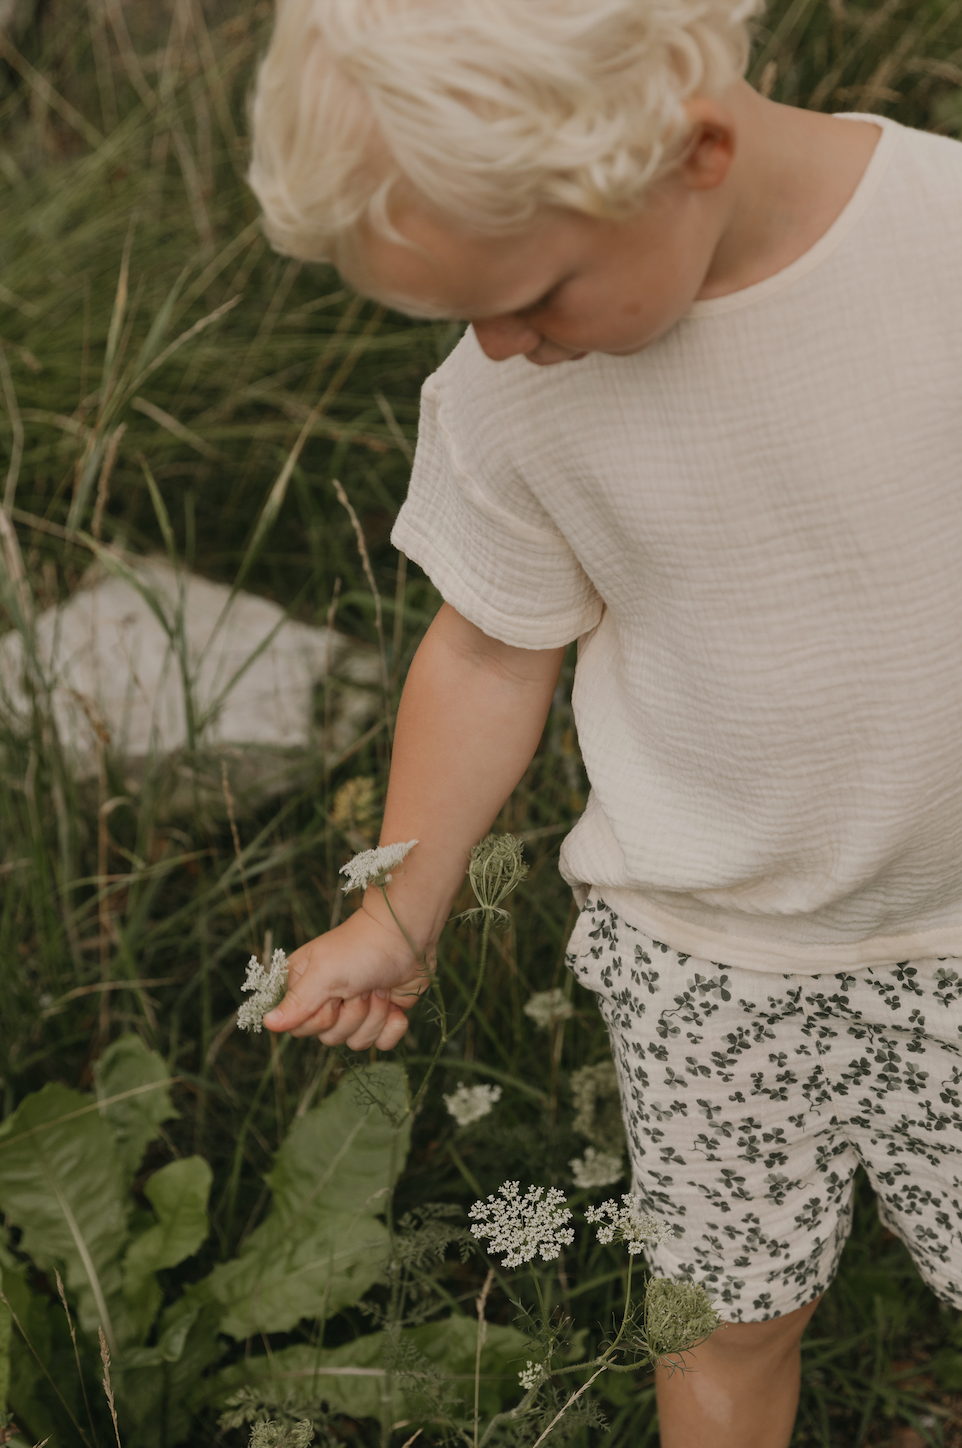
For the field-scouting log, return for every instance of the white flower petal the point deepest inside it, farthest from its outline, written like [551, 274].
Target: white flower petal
[521, 1228]
[547, 1006]
[374, 866]
[596, 1168]
[268, 987]
[470, 1103]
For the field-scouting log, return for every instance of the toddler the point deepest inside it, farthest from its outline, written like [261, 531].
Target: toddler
[705, 420]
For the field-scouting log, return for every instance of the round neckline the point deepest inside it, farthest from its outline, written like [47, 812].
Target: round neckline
[849, 217]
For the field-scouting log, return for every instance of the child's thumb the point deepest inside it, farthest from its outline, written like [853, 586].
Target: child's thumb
[289, 1013]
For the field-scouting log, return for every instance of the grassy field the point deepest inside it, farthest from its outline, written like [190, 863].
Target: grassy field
[145, 327]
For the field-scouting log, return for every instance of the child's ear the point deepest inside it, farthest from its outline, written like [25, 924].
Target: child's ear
[710, 150]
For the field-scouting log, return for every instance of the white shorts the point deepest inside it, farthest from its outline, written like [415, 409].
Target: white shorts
[750, 1099]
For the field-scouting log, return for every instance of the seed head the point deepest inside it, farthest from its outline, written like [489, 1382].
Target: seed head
[678, 1316]
[497, 866]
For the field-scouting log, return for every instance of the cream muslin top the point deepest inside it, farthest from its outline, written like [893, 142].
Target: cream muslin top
[754, 529]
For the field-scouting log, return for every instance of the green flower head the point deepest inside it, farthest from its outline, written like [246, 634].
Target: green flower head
[497, 866]
[678, 1316]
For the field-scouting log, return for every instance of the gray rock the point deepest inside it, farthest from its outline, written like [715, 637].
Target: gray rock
[223, 677]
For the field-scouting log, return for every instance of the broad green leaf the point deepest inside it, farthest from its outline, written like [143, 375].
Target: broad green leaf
[178, 1193]
[346, 1154]
[351, 1379]
[451, 1345]
[318, 1270]
[321, 1246]
[63, 1185]
[125, 1065]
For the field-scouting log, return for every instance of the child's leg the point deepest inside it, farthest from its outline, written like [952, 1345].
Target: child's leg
[740, 1388]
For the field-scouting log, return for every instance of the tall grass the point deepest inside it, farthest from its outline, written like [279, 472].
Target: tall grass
[144, 321]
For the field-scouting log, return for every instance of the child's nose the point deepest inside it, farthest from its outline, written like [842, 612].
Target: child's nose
[505, 336]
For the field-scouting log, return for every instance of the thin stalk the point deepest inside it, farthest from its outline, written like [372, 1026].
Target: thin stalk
[76, 1353]
[573, 1399]
[445, 1034]
[229, 1199]
[482, 1333]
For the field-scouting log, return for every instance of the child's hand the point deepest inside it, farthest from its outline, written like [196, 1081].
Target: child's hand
[352, 986]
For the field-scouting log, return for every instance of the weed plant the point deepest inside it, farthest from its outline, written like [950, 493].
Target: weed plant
[148, 333]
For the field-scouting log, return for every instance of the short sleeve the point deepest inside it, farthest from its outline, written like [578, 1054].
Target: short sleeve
[485, 541]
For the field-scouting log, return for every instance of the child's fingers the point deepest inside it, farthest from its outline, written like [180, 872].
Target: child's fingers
[320, 1022]
[367, 1033]
[295, 1010]
[392, 1030]
[350, 1020]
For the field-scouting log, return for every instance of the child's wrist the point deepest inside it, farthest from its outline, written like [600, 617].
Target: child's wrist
[408, 922]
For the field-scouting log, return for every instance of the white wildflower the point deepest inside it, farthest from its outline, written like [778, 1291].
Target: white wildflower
[523, 1227]
[628, 1223]
[531, 1376]
[268, 987]
[547, 1006]
[596, 1168]
[597, 1103]
[469, 1103]
[373, 867]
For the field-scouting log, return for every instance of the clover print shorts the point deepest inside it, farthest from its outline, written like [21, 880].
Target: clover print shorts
[750, 1099]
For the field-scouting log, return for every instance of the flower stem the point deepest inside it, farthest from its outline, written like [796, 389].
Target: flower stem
[445, 1033]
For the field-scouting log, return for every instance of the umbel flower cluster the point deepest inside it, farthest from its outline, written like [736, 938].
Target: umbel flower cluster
[629, 1223]
[470, 1103]
[596, 1168]
[519, 1228]
[373, 867]
[547, 1006]
[268, 986]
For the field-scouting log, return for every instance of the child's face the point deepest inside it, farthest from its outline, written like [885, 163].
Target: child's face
[568, 285]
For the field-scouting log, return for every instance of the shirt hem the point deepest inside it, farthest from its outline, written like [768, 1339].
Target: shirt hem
[777, 957]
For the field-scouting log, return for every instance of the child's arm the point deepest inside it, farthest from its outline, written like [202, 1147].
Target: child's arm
[470, 719]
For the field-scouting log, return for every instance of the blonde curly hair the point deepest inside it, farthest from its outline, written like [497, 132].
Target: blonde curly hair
[484, 110]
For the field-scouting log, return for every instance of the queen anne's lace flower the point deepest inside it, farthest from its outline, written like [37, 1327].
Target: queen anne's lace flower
[628, 1223]
[547, 1006]
[523, 1227]
[470, 1103]
[268, 987]
[596, 1168]
[531, 1376]
[373, 867]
